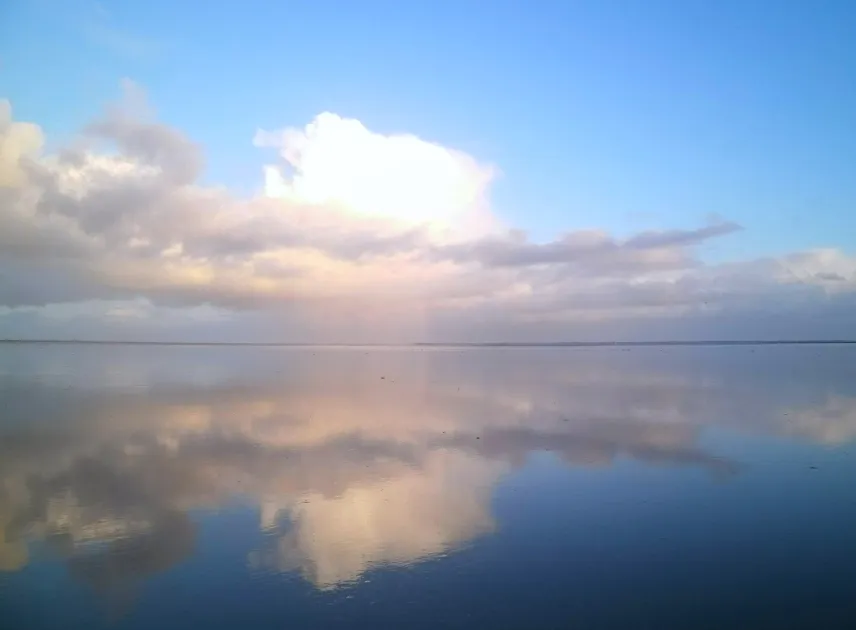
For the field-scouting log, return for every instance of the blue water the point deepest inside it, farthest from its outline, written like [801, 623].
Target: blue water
[252, 487]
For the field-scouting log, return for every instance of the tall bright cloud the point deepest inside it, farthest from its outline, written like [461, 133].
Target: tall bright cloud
[400, 177]
[394, 230]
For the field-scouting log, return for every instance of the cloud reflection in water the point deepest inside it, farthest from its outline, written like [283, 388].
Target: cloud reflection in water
[354, 458]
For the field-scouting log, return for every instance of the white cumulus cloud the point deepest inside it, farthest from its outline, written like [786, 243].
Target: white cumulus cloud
[392, 231]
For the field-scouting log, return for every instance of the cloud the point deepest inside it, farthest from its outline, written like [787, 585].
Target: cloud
[833, 422]
[599, 442]
[348, 220]
[416, 514]
[18, 141]
[669, 238]
[401, 177]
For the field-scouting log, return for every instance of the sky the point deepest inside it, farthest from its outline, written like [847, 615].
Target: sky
[443, 171]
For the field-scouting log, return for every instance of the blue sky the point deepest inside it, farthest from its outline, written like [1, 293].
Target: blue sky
[623, 116]
[620, 115]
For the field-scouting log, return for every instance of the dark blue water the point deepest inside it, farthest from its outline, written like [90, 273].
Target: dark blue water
[212, 487]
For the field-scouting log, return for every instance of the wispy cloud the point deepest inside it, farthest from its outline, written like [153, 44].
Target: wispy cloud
[100, 28]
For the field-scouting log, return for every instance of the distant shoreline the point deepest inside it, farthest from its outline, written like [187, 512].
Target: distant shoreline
[488, 344]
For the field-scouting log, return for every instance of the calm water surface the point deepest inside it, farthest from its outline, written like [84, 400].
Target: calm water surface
[237, 487]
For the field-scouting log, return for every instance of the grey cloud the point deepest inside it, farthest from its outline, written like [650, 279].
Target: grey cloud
[46, 282]
[672, 238]
[161, 208]
[591, 251]
[831, 276]
[23, 239]
[179, 159]
[584, 247]
[110, 213]
[80, 226]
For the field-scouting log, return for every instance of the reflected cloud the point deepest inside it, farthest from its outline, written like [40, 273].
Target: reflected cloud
[599, 444]
[833, 422]
[398, 520]
[354, 459]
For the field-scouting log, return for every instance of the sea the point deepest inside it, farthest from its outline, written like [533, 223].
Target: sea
[612, 486]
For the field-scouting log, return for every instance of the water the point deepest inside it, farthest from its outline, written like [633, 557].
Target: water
[251, 487]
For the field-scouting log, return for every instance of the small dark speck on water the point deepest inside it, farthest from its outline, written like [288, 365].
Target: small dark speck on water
[383, 378]
[813, 467]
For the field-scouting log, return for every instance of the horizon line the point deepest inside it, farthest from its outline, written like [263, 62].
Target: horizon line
[446, 344]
